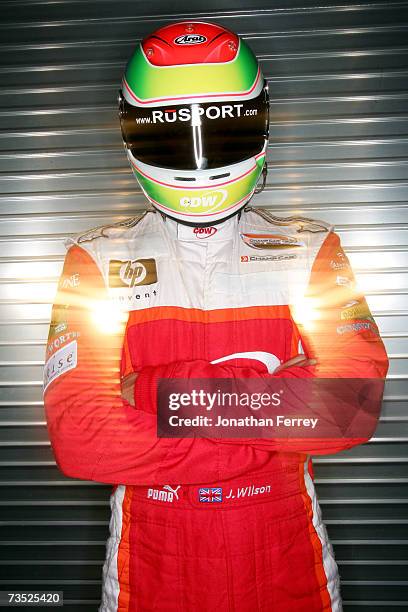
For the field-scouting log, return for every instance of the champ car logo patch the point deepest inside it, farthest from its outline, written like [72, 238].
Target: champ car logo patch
[62, 361]
[250, 258]
[131, 273]
[271, 241]
[190, 39]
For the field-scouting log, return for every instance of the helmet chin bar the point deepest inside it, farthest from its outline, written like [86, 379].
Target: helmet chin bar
[258, 189]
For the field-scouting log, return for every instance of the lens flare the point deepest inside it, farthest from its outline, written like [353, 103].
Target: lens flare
[108, 317]
[305, 311]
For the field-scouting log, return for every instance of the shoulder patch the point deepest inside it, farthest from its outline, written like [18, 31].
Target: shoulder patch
[302, 224]
[101, 232]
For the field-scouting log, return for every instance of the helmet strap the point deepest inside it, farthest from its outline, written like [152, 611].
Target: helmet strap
[261, 187]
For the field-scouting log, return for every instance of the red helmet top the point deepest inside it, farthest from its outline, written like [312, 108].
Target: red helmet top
[190, 43]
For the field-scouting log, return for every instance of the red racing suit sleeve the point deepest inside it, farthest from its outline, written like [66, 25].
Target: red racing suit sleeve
[338, 331]
[94, 433]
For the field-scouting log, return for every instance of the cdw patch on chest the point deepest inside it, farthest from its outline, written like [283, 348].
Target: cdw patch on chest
[131, 273]
[271, 241]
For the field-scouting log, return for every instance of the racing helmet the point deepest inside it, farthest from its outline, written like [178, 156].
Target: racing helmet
[194, 115]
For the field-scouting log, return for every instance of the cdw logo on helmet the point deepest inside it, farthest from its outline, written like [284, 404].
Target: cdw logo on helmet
[208, 202]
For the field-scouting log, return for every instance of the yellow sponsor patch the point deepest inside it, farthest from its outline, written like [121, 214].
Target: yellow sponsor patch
[357, 311]
[59, 320]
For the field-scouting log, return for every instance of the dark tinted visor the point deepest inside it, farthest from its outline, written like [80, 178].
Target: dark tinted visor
[196, 136]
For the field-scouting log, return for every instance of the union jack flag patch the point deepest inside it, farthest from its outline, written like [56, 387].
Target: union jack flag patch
[210, 495]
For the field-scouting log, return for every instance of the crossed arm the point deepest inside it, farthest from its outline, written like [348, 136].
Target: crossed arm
[103, 428]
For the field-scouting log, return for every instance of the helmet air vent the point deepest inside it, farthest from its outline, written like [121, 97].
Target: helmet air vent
[219, 176]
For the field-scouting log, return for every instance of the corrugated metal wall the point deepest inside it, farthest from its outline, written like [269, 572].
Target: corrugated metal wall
[338, 151]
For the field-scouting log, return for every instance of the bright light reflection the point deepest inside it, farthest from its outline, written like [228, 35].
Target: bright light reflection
[197, 137]
[305, 311]
[108, 317]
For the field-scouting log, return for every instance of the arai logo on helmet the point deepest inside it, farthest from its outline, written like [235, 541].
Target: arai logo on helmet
[190, 39]
[205, 203]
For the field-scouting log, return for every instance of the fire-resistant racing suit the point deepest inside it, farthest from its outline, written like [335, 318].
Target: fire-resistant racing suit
[203, 524]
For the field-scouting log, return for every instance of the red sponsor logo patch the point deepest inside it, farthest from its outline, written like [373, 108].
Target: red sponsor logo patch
[205, 232]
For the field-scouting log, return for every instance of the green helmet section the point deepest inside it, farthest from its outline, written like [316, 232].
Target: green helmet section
[148, 83]
[206, 201]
